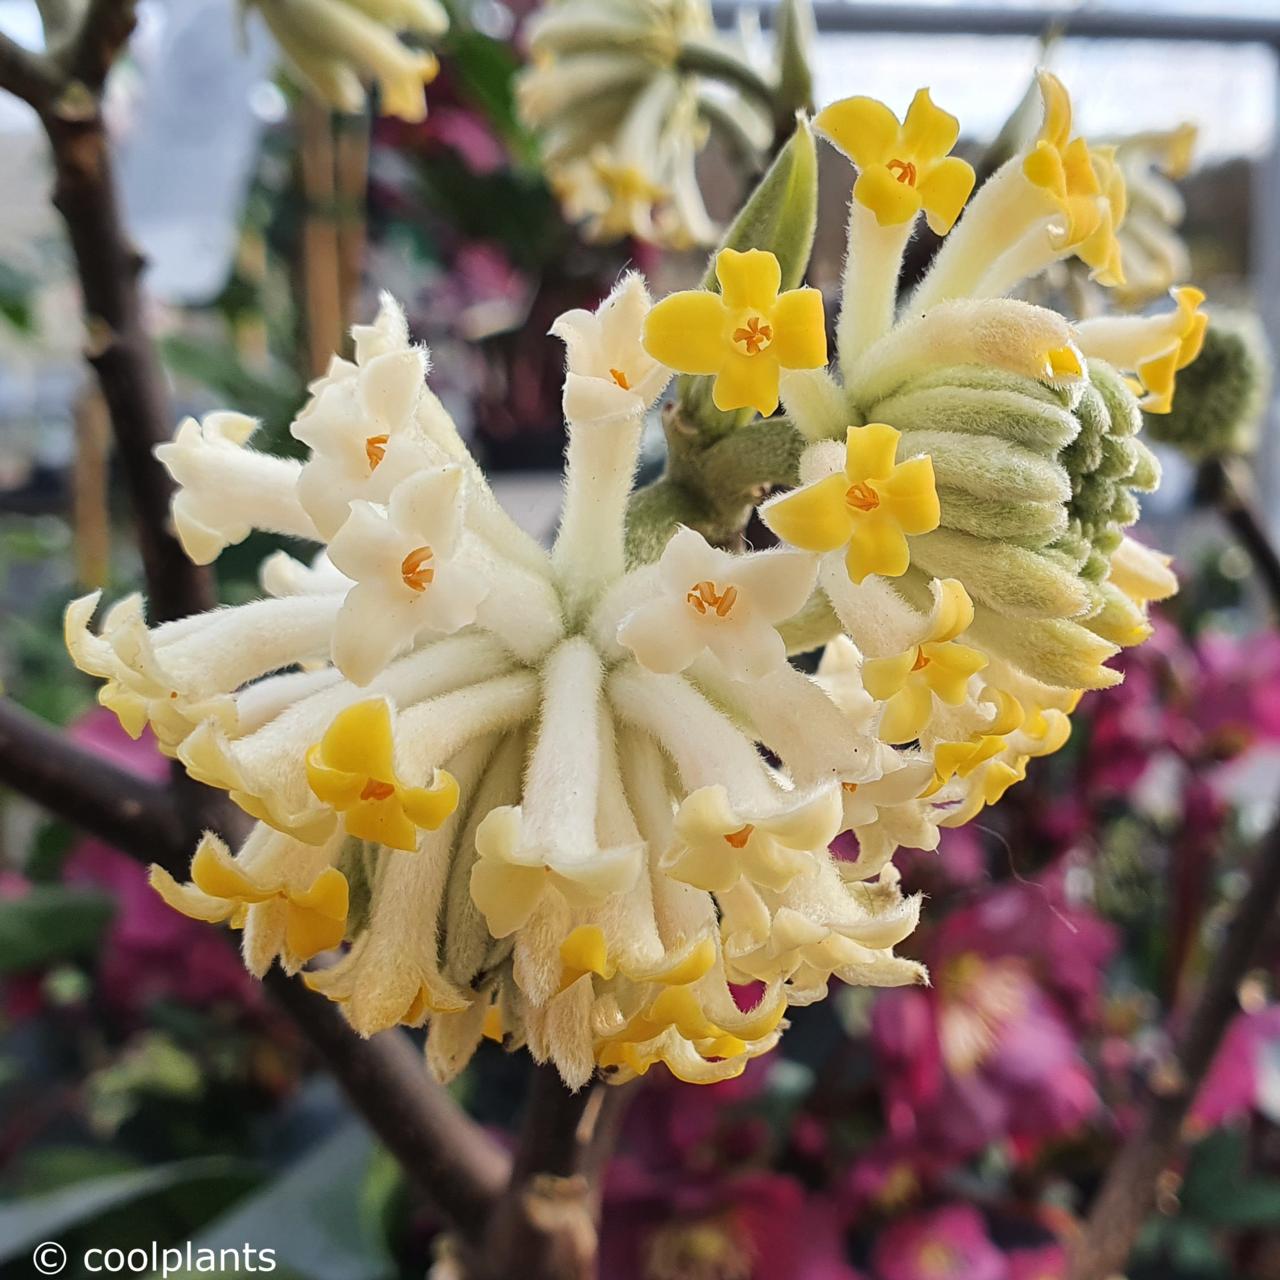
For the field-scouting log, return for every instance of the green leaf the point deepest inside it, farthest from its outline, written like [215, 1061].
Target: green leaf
[793, 32]
[781, 214]
[49, 923]
[316, 1216]
[48, 1217]
[1221, 1190]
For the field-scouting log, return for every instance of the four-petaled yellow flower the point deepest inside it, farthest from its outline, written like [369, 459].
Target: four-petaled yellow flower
[870, 507]
[907, 682]
[1087, 186]
[221, 891]
[1158, 375]
[352, 768]
[901, 168]
[744, 335]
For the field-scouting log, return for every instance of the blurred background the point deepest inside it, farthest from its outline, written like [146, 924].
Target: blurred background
[148, 1092]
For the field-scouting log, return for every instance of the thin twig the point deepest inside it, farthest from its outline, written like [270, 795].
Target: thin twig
[45, 766]
[27, 75]
[1129, 1192]
[104, 31]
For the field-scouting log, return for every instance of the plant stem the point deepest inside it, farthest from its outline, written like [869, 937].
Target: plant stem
[544, 1225]
[1129, 1191]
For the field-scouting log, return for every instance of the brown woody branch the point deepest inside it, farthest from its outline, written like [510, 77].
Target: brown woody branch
[1129, 1191]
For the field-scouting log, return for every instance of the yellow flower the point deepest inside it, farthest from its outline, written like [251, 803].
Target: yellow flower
[352, 768]
[221, 890]
[744, 335]
[1158, 375]
[907, 682]
[869, 507]
[901, 168]
[675, 1029]
[1088, 187]
[1154, 347]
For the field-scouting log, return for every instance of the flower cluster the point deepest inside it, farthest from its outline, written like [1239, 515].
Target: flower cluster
[334, 46]
[577, 804]
[620, 116]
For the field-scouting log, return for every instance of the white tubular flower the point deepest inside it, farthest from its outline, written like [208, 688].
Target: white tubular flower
[611, 377]
[716, 845]
[225, 490]
[610, 383]
[707, 599]
[331, 45]
[405, 573]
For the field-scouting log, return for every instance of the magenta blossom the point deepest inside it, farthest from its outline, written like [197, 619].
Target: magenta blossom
[757, 1226]
[1048, 1262]
[949, 1243]
[989, 1053]
[1231, 1089]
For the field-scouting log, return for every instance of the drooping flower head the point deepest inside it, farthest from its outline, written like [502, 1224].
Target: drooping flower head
[572, 799]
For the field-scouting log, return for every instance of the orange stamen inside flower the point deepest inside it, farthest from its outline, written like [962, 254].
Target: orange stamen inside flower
[375, 790]
[705, 596]
[738, 839]
[850, 787]
[620, 378]
[862, 496]
[755, 337]
[922, 660]
[416, 569]
[375, 449]
[905, 170]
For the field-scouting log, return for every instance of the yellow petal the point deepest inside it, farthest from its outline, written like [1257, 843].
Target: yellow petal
[1056, 128]
[687, 968]
[584, 951]
[863, 128]
[187, 899]
[949, 668]
[869, 451]
[928, 132]
[943, 192]
[799, 330]
[214, 871]
[876, 545]
[336, 787]
[689, 332]
[883, 677]
[316, 921]
[359, 740]
[906, 713]
[429, 806]
[813, 518]
[952, 611]
[910, 495]
[747, 382]
[893, 202]
[382, 822]
[748, 281]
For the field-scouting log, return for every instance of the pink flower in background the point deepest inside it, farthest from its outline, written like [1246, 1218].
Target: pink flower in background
[756, 1226]
[1048, 1262]
[949, 1243]
[989, 1053]
[1238, 696]
[1232, 1087]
